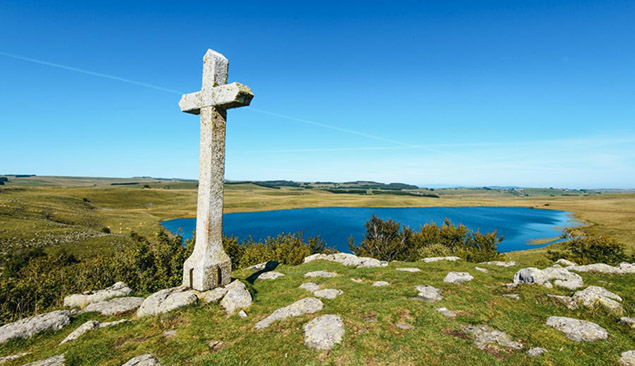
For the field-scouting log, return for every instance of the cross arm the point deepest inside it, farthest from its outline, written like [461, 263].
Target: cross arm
[223, 96]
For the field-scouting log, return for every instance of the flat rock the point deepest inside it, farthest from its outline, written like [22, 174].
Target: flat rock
[310, 286]
[512, 296]
[403, 326]
[535, 352]
[272, 275]
[578, 330]
[484, 335]
[484, 270]
[408, 269]
[166, 300]
[116, 306]
[628, 321]
[357, 280]
[143, 360]
[324, 332]
[446, 312]
[627, 358]
[87, 327]
[237, 297]
[605, 268]
[51, 361]
[328, 293]
[429, 293]
[500, 263]
[91, 297]
[308, 305]
[213, 295]
[380, 284]
[320, 274]
[30, 326]
[565, 263]
[348, 259]
[12, 357]
[596, 295]
[436, 259]
[458, 277]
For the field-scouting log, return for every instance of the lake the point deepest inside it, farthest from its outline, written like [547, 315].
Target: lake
[518, 225]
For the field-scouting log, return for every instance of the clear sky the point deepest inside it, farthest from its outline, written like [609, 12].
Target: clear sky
[527, 93]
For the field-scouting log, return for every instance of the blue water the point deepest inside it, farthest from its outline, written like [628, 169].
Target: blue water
[335, 224]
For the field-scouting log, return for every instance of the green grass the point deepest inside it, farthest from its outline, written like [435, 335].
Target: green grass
[429, 342]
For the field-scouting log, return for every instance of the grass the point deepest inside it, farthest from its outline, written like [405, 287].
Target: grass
[433, 340]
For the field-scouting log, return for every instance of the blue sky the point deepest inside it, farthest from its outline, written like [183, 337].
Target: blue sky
[528, 93]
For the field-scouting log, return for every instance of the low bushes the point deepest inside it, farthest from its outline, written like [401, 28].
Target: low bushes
[584, 248]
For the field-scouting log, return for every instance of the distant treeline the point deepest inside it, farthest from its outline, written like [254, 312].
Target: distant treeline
[350, 187]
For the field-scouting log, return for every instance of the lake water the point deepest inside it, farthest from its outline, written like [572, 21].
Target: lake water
[335, 224]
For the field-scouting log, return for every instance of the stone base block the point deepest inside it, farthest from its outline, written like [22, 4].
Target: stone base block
[206, 276]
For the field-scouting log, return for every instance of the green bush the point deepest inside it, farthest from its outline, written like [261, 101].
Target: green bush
[584, 248]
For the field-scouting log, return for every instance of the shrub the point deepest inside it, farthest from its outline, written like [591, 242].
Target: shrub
[584, 248]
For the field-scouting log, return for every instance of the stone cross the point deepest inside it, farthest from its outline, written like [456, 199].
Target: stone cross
[209, 266]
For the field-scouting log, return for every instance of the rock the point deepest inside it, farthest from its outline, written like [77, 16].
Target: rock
[578, 330]
[627, 267]
[320, 274]
[403, 326]
[216, 346]
[310, 286]
[596, 295]
[407, 269]
[237, 297]
[484, 270]
[531, 275]
[628, 321]
[91, 297]
[265, 266]
[564, 278]
[371, 319]
[213, 295]
[242, 314]
[565, 263]
[380, 284]
[458, 277]
[536, 351]
[143, 360]
[169, 333]
[566, 300]
[357, 280]
[324, 332]
[484, 335]
[12, 357]
[446, 312]
[51, 361]
[308, 305]
[328, 293]
[436, 259]
[28, 327]
[114, 306]
[512, 296]
[166, 300]
[86, 327]
[429, 293]
[605, 268]
[270, 275]
[348, 259]
[628, 358]
[501, 264]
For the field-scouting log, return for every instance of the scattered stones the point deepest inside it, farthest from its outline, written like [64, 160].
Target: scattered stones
[310, 286]
[628, 321]
[116, 306]
[51, 361]
[272, 275]
[265, 266]
[403, 326]
[91, 297]
[409, 269]
[348, 259]
[628, 358]
[320, 274]
[596, 295]
[166, 300]
[328, 293]
[484, 335]
[446, 312]
[429, 293]
[512, 296]
[578, 330]
[484, 270]
[458, 277]
[324, 332]
[565, 263]
[28, 327]
[380, 284]
[216, 346]
[88, 326]
[501, 264]
[308, 305]
[357, 280]
[12, 357]
[143, 360]
[436, 259]
[213, 295]
[242, 314]
[237, 297]
[605, 268]
[536, 351]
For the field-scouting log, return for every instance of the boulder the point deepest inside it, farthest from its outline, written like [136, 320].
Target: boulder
[116, 306]
[429, 293]
[237, 297]
[484, 336]
[28, 327]
[531, 275]
[627, 358]
[628, 321]
[328, 293]
[51, 361]
[380, 284]
[348, 259]
[90, 297]
[320, 274]
[605, 268]
[408, 269]
[436, 259]
[500, 264]
[310, 286]
[578, 330]
[143, 360]
[535, 352]
[12, 357]
[272, 275]
[564, 278]
[446, 312]
[596, 295]
[324, 332]
[307, 305]
[458, 277]
[213, 295]
[166, 300]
